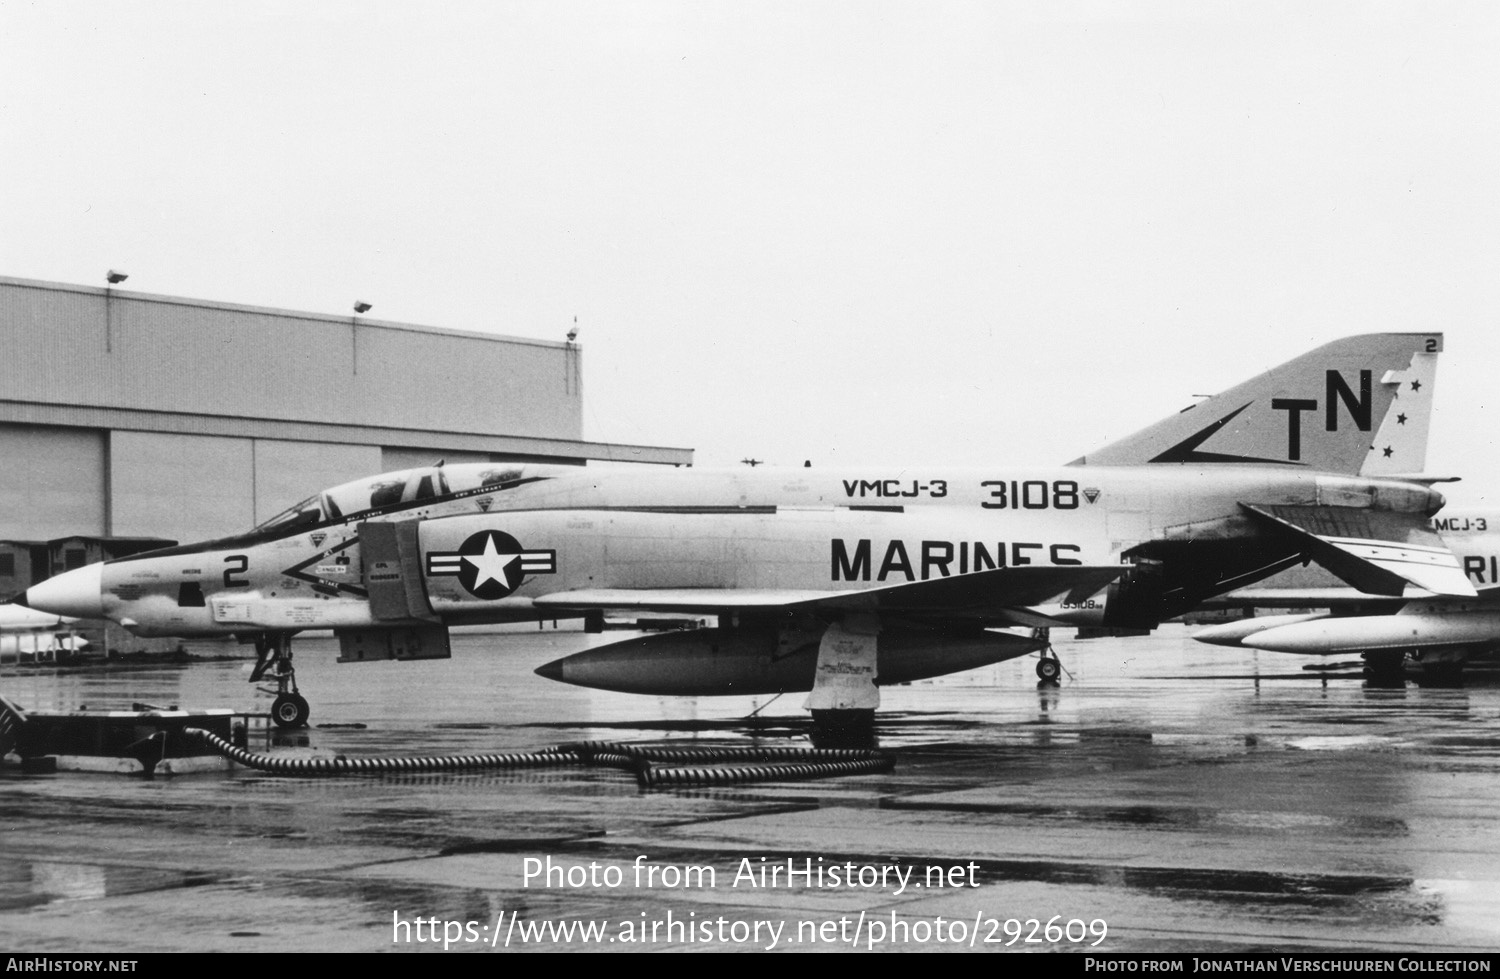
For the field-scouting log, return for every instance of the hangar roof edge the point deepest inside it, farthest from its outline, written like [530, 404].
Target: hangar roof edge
[364, 321]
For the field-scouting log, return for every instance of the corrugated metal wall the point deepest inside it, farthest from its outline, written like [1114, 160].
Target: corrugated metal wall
[52, 482]
[392, 459]
[290, 472]
[180, 356]
[183, 487]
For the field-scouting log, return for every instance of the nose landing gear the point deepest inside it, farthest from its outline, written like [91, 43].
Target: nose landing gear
[273, 658]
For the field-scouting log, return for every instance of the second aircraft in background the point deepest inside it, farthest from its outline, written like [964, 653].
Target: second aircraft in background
[1437, 633]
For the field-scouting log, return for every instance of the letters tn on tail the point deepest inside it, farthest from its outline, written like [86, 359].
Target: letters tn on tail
[1355, 406]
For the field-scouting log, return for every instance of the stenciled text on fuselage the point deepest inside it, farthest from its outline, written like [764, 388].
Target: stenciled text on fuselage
[855, 561]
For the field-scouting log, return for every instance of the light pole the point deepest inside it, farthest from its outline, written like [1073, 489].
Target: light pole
[360, 306]
[112, 278]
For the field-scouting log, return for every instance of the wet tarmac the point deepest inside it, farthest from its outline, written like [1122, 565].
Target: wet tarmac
[1167, 797]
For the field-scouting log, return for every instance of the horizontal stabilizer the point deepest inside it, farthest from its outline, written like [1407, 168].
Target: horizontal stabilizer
[1375, 551]
[982, 594]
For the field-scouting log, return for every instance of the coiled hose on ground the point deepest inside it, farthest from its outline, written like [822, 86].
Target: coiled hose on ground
[705, 766]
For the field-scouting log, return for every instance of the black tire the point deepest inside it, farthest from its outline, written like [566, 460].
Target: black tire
[1048, 669]
[289, 711]
[1385, 664]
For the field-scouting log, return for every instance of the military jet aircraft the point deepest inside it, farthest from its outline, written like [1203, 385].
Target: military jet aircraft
[830, 581]
[1438, 633]
[16, 619]
[24, 630]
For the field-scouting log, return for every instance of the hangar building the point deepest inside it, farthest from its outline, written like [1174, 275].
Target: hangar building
[126, 415]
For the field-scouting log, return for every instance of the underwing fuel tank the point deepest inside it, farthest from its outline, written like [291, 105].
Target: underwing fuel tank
[1235, 633]
[1405, 630]
[724, 662]
[1401, 631]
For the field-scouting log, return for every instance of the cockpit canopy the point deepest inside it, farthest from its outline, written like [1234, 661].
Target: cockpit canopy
[376, 493]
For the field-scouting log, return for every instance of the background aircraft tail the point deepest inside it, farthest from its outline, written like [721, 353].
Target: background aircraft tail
[1357, 405]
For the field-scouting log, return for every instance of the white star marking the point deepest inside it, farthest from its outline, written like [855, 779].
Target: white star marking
[491, 565]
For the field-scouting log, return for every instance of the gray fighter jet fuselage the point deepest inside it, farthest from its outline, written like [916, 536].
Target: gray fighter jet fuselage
[833, 581]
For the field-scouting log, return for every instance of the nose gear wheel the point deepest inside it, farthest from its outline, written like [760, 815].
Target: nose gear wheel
[273, 659]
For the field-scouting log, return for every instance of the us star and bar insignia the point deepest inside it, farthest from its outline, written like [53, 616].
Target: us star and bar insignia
[491, 564]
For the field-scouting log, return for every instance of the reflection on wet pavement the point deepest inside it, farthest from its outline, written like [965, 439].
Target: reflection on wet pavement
[1194, 798]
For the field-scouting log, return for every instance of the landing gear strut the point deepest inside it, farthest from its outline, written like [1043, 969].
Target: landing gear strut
[273, 658]
[1049, 668]
[1441, 667]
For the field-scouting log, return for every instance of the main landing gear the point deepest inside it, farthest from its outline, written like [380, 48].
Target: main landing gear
[273, 658]
[1049, 668]
[1441, 667]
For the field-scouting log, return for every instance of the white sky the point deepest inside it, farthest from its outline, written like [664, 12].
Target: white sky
[856, 232]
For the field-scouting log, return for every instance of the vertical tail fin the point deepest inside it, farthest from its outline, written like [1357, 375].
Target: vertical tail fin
[1324, 410]
[1400, 447]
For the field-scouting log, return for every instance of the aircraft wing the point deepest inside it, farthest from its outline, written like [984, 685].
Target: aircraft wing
[1002, 593]
[1376, 551]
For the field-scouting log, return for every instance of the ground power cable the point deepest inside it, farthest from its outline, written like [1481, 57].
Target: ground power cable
[653, 766]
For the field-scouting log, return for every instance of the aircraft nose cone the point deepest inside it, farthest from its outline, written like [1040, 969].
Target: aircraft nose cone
[1222, 635]
[77, 593]
[551, 671]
